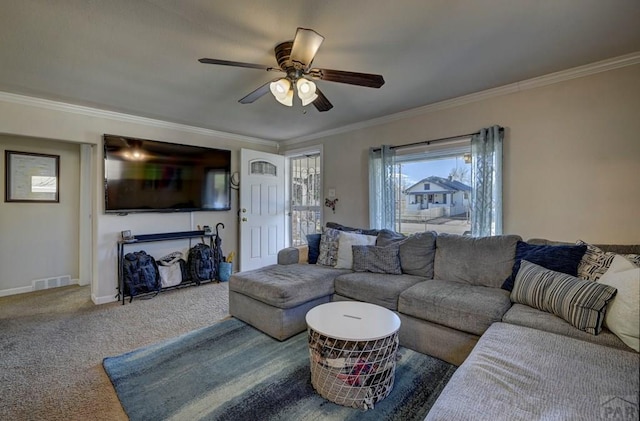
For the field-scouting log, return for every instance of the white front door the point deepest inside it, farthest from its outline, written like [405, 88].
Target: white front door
[262, 208]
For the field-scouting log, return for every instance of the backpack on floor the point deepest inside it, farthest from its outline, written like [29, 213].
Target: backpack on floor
[140, 273]
[200, 263]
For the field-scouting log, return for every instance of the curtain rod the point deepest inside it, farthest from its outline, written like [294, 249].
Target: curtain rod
[429, 142]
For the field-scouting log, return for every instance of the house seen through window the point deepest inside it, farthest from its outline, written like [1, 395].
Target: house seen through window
[433, 191]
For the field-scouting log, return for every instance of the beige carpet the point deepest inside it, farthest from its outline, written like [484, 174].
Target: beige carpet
[52, 344]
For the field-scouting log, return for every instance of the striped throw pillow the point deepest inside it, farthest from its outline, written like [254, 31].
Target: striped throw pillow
[580, 302]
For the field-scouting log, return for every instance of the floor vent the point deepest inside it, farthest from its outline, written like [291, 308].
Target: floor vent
[47, 283]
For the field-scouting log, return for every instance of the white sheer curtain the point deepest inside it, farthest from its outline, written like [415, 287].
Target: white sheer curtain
[486, 176]
[382, 181]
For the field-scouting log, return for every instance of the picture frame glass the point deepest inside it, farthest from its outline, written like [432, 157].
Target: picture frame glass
[31, 177]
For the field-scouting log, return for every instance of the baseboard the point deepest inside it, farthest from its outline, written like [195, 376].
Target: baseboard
[30, 288]
[104, 299]
[15, 291]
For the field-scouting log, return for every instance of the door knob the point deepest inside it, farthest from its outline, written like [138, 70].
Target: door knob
[244, 219]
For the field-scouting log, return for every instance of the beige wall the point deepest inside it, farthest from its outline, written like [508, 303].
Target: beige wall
[571, 157]
[40, 240]
[571, 165]
[47, 124]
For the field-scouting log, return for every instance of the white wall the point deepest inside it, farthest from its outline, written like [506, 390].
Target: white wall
[49, 121]
[40, 240]
[571, 156]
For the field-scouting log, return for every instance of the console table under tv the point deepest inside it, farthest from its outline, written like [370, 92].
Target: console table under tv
[148, 238]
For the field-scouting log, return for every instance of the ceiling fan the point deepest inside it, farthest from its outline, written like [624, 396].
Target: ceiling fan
[294, 59]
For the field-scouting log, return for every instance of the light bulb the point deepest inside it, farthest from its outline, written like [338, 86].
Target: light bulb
[281, 90]
[306, 91]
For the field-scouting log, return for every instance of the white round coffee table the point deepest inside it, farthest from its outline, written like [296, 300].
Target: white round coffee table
[352, 349]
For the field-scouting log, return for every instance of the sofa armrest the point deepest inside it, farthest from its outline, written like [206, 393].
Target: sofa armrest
[291, 255]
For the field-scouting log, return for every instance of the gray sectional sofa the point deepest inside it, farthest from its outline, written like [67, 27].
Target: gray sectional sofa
[448, 296]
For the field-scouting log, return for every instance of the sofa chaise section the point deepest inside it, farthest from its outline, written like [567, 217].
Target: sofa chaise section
[276, 298]
[519, 373]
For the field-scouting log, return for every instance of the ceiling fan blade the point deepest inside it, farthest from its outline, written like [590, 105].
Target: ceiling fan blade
[248, 99]
[305, 46]
[353, 78]
[237, 64]
[322, 103]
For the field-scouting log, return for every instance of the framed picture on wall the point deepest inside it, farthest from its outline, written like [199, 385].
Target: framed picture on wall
[31, 177]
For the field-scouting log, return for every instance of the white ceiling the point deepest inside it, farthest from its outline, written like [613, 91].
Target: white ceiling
[141, 56]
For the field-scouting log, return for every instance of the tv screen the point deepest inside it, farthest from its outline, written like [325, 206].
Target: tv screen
[150, 176]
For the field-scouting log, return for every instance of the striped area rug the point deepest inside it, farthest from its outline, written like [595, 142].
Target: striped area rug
[231, 371]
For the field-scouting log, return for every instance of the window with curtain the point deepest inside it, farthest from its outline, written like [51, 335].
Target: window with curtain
[448, 187]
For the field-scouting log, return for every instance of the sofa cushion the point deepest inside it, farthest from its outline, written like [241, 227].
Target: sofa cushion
[578, 301]
[375, 288]
[458, 305]
[485, 261]
[523, 315]
[560, 258]
[417, 251]
[285, 286]
[387, 237]
[377, 259]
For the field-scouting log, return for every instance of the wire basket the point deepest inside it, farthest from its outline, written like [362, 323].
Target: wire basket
[352, 373]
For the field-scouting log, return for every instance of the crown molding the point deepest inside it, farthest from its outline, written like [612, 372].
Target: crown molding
[552, 78]
[127, 118]
[537, 82]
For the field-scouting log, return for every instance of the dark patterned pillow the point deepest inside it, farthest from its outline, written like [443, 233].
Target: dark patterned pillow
[377, 259]
[563, 259]
[580, 302]
[313, 242]
[328, 254]
[596, 261]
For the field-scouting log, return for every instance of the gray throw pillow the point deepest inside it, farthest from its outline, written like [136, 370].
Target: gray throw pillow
[377, 259]
[387, 237]
[417, 253]
[580, 302]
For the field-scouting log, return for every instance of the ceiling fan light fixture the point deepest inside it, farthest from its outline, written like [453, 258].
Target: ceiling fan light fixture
[282, 92]
[305, 46]
[306, 91]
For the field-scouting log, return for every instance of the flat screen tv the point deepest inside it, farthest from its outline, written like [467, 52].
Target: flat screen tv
[150, 176]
